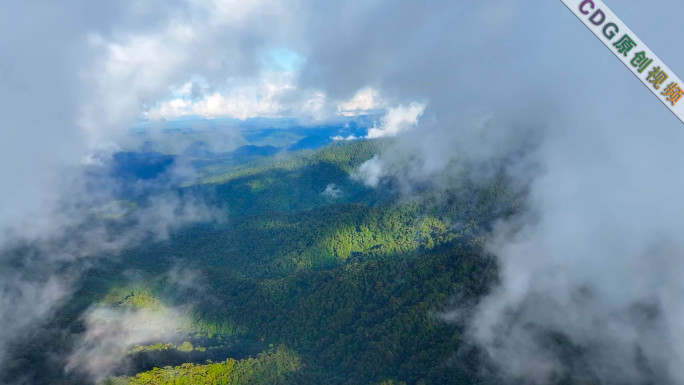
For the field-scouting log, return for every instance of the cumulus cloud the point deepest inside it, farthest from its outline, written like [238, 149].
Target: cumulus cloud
[394, 121]
[397, 120]
[272, 94]
[364, 101]
[131, 66]
[348, 137]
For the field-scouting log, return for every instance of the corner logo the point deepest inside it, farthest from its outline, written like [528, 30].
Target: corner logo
[631, 51]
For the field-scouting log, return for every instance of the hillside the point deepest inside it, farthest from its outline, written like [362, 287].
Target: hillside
[296, 285]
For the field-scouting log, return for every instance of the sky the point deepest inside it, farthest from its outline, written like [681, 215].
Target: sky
[601, 156]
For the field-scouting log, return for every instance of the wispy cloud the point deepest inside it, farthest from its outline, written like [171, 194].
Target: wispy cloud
[112, 332]
[332, 191]
[370, 172]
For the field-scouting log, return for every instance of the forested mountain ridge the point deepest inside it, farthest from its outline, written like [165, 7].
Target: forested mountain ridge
[348, 286]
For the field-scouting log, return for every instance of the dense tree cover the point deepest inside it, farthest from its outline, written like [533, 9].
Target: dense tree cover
[273, 367]
[354, 285]
[292, 181]
[186, 346]
[355, 288]
[328, 231]
[347, 156]
[364, 321]
[370, 320]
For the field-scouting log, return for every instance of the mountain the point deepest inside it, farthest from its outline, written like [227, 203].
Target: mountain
[311, 142]
[140, 165]
[254, 151]
[301, 283]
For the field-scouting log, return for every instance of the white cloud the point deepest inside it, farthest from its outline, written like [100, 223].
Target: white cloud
[222, 12]
[131, 70]
[112, 332]
[332, 191]
[340, 137]
[364, 101]
[272, 95]
[194, 88]
[370, 172]
[397, 120]
[133, 66]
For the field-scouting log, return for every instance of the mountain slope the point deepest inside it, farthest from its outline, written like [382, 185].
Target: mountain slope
[352, 285]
